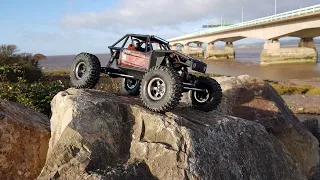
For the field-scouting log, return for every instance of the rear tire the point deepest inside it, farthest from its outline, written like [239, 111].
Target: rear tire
[85, 71]
[131, 86]
[161, 89]
[209, 100]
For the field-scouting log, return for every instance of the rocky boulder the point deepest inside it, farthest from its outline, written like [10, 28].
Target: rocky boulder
[256, 100]
[96, 135]
[313, 126]
[24, 138]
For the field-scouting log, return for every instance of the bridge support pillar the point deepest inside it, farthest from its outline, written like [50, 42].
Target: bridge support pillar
[193, 51]
[174, 47]
[185, 49]
[307, 43]
[273, 54]
[227, 53]
[229, 46]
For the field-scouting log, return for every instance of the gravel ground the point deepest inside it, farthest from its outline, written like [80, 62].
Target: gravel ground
[303, 104]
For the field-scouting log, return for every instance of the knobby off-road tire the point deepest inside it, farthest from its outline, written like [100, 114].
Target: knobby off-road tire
[208, 101]
[85, 71]
[169, 91]
[130, 86]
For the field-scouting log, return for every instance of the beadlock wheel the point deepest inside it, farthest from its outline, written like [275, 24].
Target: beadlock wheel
[131, 83]
[209, 99]
[131, 86]
[156, 88]
[80, 70]
[201, 97]
[161, 89]
[85, 71]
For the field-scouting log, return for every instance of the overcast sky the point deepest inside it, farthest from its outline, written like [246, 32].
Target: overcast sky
[72, 26]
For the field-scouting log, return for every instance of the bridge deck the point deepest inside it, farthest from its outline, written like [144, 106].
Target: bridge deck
[257, 22]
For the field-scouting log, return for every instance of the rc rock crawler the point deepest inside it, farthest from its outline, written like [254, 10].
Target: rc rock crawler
[149, 68]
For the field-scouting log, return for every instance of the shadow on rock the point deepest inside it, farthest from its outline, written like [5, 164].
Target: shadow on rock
[135, 171]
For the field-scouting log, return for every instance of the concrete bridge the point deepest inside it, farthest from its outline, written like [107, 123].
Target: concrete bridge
[302, 23]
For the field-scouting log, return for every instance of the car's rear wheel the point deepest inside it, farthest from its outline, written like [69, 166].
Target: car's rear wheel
[209, 99]
[85, 71]
[161, 89]
[131, 86]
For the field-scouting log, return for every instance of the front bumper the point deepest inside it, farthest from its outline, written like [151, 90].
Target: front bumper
[192, 62]
[199, 66]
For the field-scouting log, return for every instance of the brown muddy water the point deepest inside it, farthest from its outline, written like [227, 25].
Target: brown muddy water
[245, 62]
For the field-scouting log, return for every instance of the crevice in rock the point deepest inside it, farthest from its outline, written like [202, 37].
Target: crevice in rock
[74, 151]
[185, 146]
[166, 145]
[179, 159]
[186, 175]
[143, 131]
[56, 175]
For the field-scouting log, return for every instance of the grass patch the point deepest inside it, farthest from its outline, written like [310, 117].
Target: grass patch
[314, 91]
[289, 90]
[206, 74]
[57, 73]
[291, 103]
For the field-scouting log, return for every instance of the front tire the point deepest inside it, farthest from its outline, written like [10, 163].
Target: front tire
[85, 71]
[208, 100]
[161, 89]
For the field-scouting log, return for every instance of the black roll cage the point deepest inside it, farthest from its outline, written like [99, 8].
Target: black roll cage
[146, 38]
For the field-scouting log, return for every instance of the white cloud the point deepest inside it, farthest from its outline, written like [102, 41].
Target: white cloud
[69, 3]
[150, 14]
[141, 14]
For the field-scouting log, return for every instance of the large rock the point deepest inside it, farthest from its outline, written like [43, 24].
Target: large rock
[24, 138]
[255, 100]
[102, 136]
[313, 126]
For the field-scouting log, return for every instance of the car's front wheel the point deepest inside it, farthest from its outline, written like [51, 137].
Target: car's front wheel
[161, 89]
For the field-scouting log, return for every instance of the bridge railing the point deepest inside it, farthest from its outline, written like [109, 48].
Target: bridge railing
[289, 14]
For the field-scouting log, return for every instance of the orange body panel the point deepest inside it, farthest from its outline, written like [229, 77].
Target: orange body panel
[134, 59]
